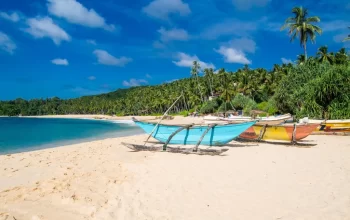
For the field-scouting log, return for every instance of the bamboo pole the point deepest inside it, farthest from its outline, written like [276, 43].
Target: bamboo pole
[195, 149]
[161, 119]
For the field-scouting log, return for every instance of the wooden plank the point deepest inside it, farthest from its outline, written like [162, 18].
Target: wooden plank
[262, 132]
[203, 135]
[179, 150]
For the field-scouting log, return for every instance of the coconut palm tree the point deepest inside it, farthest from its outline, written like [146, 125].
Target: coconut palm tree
[324, 56]
[209, 73]
[301, 26]
[341, 57]
[195, 72]
[347, 38]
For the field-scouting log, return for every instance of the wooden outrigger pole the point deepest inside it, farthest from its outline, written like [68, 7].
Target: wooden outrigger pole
[161, 119]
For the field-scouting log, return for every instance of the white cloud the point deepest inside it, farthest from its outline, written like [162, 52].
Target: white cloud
[235, 50]
[173, 34]
[185, 60]
[248, 4]
[286, 61]
[74, 12]
[91, 78]
[148, 76]
[161, 9]
[93, 42]
[339, 38]
[232, 55]
[44, 27]
[103, 57]
[243, 44]
[61, 62]
[6, 44]
[14, 17]
[336, 25]
[229, 28]
[134, 82]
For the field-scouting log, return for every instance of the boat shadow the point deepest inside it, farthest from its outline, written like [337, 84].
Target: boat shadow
[237, 144]
[299, 144]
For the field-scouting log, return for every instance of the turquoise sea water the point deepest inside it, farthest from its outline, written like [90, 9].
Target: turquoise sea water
[26, 134]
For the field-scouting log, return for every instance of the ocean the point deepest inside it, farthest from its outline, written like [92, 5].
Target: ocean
[26, 134]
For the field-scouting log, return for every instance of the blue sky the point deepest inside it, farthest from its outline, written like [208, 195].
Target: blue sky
[71, 48]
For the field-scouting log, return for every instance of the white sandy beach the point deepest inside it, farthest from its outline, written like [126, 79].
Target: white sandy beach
[104, 180]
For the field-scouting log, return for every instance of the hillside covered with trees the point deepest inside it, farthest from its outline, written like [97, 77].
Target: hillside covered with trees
[319, 88]
[316, 86]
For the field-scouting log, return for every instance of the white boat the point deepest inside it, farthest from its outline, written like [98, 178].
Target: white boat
[271, 120]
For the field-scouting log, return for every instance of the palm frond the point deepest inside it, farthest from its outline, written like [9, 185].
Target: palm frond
[313, 19]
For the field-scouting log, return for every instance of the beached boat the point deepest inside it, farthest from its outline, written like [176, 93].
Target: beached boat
[212, 135]
[271, 120]
[331, 125]
[286, 132]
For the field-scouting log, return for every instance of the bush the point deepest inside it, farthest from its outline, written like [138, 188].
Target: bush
[316, 91]
[243, 102]
[209, 107]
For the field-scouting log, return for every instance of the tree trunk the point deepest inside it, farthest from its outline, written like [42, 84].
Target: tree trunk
[199, 90]
[305, 52]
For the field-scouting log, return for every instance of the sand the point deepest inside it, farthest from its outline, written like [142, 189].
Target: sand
[104, 180]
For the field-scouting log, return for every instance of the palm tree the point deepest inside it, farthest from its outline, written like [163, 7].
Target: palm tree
[324, 56]
[208, 73]
[195, 72]
[341, 57]
[301, 26]
[347, 38]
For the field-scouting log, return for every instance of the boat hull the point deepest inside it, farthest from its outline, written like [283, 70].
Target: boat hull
[272, 120]
[216, 136]
[279, 132]
[333, 126]
[267, 122]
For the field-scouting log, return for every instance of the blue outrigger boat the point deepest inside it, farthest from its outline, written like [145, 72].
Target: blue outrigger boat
[210, 135]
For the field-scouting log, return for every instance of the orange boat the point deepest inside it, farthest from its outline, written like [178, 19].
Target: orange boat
[279, 132]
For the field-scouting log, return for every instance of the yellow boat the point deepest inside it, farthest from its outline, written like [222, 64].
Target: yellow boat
[332, 125]
[285, 132]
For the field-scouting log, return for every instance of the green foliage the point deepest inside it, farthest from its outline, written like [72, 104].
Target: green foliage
[241, 102]
[183, 113]
[209, 107]
[320, 91]
[262, 106]
[268, 107]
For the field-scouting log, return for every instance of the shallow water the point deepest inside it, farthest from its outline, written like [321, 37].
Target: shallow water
[26, 134]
